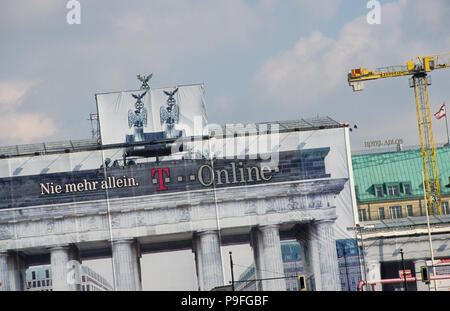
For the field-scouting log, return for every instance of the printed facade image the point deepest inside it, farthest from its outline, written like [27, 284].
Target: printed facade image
[287, 180]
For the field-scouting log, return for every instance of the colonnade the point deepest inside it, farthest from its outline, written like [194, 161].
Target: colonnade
[317, 241]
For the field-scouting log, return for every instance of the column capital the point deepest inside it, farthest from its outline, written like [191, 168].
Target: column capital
[206, 232]
[269, 227]
[123, 241]
[59, 247]
[325, 221]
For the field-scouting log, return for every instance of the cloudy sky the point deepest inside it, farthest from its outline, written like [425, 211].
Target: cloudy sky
[261, 60]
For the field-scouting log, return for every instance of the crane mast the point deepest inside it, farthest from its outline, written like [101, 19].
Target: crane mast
[433, 191]
[417, 68]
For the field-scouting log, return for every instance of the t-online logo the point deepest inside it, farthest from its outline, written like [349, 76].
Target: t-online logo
[160, 172]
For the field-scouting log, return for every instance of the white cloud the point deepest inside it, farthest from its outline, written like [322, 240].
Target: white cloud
[317, 65]
[18, 126]
[11, 93]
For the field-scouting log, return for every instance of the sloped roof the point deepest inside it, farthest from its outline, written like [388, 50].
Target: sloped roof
[396, 167]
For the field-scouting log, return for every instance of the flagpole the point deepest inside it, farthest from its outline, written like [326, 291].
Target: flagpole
[446, 125]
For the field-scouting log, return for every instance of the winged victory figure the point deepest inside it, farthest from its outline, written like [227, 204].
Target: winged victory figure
[138, 118]
[170, 114]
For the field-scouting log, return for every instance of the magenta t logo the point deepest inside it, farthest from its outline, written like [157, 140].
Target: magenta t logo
[161, 177]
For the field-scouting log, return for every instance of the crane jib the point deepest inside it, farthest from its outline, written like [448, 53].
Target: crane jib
[393, 74]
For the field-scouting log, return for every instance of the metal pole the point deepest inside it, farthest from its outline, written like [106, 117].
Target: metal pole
[358, 227]
[429, 229]
[232, 273]
[404, 270]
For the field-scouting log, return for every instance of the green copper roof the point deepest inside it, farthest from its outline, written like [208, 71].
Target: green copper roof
[396, 168]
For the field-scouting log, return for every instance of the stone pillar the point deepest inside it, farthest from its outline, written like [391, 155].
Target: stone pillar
[4, 272]
[17, 267]
[313, 247]
[65, 268]
[126, 262]
[258, 256]
[329, 267]
[59, 260]
[198, 262]
[209, 261]
[268, 259]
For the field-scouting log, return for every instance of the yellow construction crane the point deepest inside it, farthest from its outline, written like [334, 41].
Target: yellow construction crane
[418, 68]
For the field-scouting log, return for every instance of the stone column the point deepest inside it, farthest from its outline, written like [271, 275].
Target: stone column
[258, 256]
[329, 267]
[273, 260]
[65, 268]
[126, 264]
[209, 261]
[313, 247]
[198, 262]
[268, 259]
[17, 267]
[59, 260]
[4, 273]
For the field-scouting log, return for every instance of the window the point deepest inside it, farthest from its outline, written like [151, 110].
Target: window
[379, 191]
[47, 274]
[407, 189]
[381, 213]
[33, 275]
[396, 212]
[445, 208]
[362, 214]
[38, 283]
[410, 210]
[392, 191]
[83, 278]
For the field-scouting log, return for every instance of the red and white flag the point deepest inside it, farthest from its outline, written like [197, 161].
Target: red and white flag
[441, 113]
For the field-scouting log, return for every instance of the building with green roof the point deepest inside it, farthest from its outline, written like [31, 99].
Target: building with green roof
[389, 185]
[395, 235]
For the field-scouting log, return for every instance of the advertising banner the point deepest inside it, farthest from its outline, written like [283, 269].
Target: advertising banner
[297, 183]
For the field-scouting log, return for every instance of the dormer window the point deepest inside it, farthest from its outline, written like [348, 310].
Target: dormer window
[378, 191]
[393, 190]
[407, 189]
